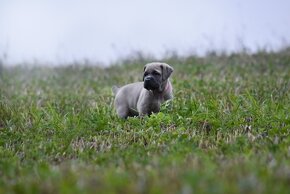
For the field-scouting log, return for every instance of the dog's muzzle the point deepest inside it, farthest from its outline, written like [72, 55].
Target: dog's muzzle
[150, 83]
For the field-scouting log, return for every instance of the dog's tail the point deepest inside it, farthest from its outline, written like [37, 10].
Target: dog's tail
[115, 89]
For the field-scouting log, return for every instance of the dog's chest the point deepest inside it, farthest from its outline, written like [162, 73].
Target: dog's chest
[155, 103]
[154, 107]
[148, 103]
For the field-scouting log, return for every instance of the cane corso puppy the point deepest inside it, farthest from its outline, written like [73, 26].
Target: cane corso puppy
[144, 98]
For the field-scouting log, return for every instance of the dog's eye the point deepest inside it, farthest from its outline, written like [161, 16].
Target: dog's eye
[155, 73]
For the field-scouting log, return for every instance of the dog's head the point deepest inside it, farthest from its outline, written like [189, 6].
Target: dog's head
[155, 75]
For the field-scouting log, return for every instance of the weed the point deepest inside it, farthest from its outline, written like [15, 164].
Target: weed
[226, 130]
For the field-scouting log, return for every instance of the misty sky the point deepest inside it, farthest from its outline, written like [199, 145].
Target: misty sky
[60, 31]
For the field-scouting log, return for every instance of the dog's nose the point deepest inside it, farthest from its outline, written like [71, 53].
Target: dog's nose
[148, 78]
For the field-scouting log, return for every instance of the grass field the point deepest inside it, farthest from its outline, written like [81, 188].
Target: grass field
[226, 131]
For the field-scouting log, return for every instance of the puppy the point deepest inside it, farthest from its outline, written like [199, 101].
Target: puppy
[144, 98]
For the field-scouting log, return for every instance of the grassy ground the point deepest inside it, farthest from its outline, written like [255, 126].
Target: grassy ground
[226, 131]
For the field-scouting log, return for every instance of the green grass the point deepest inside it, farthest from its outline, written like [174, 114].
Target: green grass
[226, 131]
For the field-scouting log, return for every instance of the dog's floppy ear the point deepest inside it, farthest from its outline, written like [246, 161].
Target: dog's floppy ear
[144, 71]
[145, 67]
[166, 71]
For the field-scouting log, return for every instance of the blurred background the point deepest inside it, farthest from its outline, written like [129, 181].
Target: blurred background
[55, 32]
